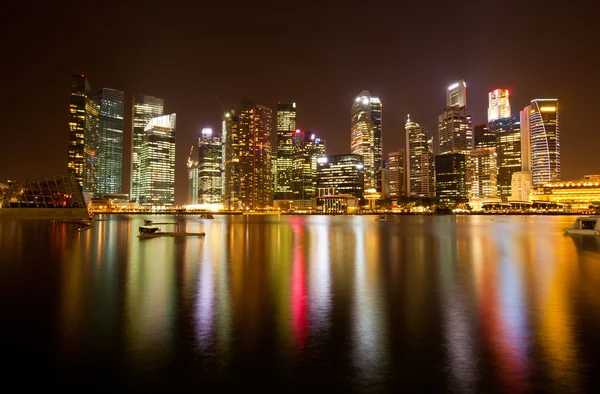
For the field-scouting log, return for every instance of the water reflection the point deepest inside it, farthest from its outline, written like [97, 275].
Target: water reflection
[434, 303]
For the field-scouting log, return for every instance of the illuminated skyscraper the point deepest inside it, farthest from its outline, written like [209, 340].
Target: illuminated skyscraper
[83, 134]
[545, 141]
[525, 139]
[482, 174]
[344, 173]
[456, 133]
[499, 104]
[508, 152]
[397, 177]
[255, 127]
[484, 138]
[451, 177]
[306, 149]
[286, 125]
[366, 137]
[110, 141]
[456, 94]
[210, 151]
[144, 108]
[420, 161]
[157, 162]
[192, 172]
[230, 138]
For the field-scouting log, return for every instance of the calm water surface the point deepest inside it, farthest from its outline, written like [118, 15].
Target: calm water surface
[430, 303]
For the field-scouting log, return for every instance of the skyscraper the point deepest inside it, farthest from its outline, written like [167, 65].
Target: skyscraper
[345, 173]
[456, 94]
[255, 155]
[499, 104]
[306, 149]
[366, 136]
[157, 162]
[451, 177]
[144, 108]
[192, 172]
[83, 134]
[525, 139]
[397, 176]
[420, 161]
[482, 174]
[484, 138]
[230, 138]
[545, 141]
[210, 151]
[508, 152]
[286, 125]
[110, 141]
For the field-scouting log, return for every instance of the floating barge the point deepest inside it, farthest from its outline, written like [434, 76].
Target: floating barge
[585, 225]
[153, 232]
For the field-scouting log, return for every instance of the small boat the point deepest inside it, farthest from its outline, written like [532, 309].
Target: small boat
[206, 216]
[152, 231]
[385, 218]
[149, 229]
[585, 225]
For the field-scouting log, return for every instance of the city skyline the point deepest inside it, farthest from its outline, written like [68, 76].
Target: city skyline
[323, 86]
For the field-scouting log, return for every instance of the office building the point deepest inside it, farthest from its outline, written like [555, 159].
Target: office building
[455, 131]
[508, 152]
[576, 194]
[525, 139]
[397, 176]
[210, 189]
[192, 173]
[110, 141]
[456, 94]
[483, 137]
[451, 177]
[306, 149]
[344, 173]
[83, 134]
[255, 124]
[545, 141]
[520, 186]
[482, 172]
[366, 136]
[498, 104]
[144, 108]
[230, 138]
[157, 162]
[282, 174]
[385, 181]
[420, 165]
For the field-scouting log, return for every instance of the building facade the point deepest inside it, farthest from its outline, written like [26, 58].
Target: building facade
[255, 125]
[520, 186]
[498, 104]
[143, 110]
[157, 162]
[576, 194]
[110, 141]
[482, 172]
[456, 94]
[286, 126]
[451, 177]
[455, 131]
[366, 136]
[545, 141]
[230, 138]
[192, 175]
[508, 152]
[306, 149]
[344, 173]
[83, 134]
[420, 165]
[210, 158]
[397, 176]
[483, 137]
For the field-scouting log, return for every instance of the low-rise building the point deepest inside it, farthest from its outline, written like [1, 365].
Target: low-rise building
[576, 195]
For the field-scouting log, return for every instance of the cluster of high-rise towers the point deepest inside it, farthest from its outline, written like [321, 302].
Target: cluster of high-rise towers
[238, 167]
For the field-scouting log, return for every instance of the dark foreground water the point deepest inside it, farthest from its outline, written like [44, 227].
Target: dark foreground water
[431, 303]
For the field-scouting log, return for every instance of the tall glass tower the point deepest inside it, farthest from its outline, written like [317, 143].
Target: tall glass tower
[144, 108]
[286, 125]
[83, 133]
[498, 104]
[210, 156]
[255, 125]
[508, 152]
[230, 138]
[420, 161]
[545, 141]
[110, 141]
[366, 137]
[306, 149]
[157, 162]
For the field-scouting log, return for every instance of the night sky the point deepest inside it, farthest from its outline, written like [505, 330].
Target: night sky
[320, 55]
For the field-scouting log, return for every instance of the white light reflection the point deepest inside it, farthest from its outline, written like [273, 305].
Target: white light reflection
[320, 276]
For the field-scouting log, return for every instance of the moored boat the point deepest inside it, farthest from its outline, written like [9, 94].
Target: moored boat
[585, 225]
